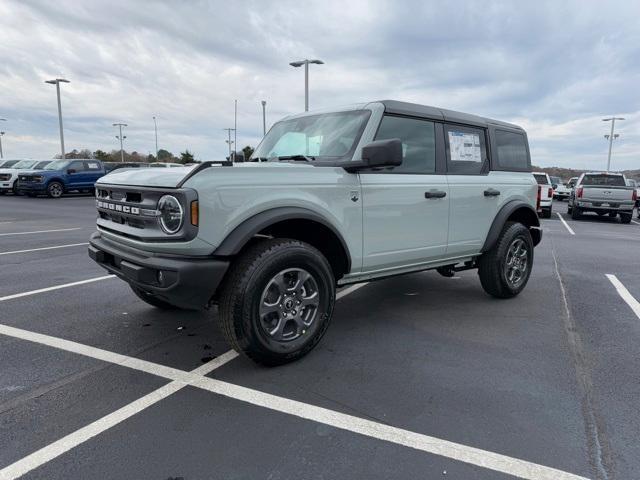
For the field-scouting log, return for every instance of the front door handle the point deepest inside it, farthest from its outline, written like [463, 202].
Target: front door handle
[491, 192]
[435, 194]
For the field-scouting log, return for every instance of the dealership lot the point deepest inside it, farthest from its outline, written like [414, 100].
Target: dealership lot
[418, 376]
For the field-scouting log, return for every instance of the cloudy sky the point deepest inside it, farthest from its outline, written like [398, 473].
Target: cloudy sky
[555, 68]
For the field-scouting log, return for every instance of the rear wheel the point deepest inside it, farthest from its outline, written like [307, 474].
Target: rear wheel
[576, 214]
[626, 217]
[151, 300]
[546, 212]
[55, 189]
[505, 269]
[277, 301]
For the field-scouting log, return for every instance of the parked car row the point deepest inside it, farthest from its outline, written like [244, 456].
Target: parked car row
[54, 178]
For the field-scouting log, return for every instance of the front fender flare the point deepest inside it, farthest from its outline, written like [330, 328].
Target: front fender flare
[239, 236]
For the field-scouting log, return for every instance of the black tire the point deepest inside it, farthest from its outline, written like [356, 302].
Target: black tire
[576, 213]
[493, 266]
[546, 213]
[569, 209]
[55, 189]
[151, 300]
[626, 217]
[261, 272]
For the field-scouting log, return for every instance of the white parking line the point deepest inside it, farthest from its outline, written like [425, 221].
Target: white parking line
[56, 287]
[44, 248]
[637, 223]
[351, 289]
[463, 453]
[55, 449]
[565, 224]
[625, 294]
[197, 378]
[41, 231]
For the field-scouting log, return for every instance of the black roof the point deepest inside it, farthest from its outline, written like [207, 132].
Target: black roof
[434, 113]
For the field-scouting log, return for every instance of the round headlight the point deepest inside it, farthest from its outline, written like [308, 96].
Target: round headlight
[171, 214]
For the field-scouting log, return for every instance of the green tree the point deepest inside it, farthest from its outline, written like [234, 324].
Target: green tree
[101, 155]
[186, 157]
[164, 155]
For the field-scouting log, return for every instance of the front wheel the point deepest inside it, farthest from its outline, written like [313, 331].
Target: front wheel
[277, 301]
[55, 189]
[505, 269]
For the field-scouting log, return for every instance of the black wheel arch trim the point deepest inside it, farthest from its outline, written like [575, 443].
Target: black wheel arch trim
[239, 236]
[501, 218]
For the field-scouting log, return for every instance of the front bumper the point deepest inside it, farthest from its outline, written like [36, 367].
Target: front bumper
[31, 187]
[186, 282]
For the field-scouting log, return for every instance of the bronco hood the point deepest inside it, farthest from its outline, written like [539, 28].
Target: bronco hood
[174, 177]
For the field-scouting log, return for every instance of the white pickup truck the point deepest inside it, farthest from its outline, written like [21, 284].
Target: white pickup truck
[545, 194]
[603, 193]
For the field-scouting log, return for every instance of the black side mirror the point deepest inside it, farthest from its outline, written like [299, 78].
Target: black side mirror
[554, 185]
[382, 153]
[71, 170]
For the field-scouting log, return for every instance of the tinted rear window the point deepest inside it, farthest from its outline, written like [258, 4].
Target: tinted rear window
[604, 180]
[512, 150]
[541, 179]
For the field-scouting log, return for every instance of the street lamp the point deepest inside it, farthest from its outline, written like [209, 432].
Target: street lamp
[306, 63]
[57, 82]
[611, 137]
[121, 138]
[264, 117]
[155, 124]
[1, 134]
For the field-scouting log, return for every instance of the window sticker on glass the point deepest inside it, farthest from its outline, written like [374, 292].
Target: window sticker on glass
[465, 147]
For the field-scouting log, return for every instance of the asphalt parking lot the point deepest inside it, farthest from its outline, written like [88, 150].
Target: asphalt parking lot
[418, 376]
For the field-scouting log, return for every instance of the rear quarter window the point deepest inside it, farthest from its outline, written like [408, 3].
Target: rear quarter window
[511, 151]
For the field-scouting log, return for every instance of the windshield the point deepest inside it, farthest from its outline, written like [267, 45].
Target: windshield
[41, 165]
[25, 164]
[9, 163]
[556, 180]
[604, 180]
[541, 179]
[327, 136]
[57, 165]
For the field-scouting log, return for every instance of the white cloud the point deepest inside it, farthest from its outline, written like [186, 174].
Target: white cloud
[555, 68]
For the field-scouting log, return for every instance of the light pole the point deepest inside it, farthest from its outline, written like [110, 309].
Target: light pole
[120, 125]
[1, 134]
[57, 82]
[264, 117]
[229, 141]
[611, 137]
[306, 63]
[155, 124]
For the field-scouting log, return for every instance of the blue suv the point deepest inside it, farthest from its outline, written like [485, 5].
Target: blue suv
[62, 176]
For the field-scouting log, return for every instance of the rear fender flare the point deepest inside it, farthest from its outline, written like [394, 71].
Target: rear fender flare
[503, 215]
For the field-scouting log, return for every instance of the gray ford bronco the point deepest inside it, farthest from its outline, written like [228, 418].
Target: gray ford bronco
[329, 198]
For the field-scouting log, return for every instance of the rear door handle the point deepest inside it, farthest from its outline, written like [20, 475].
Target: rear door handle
[435, 194]
[491, 192]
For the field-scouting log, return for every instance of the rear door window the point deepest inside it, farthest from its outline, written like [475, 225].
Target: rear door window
[92, 166]
[77, 166]
[466, 150]
[603, 180]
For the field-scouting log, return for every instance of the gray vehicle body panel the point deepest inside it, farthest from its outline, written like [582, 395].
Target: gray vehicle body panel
[384, 221]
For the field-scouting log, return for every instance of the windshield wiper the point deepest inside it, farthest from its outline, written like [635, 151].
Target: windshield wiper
[305, 158]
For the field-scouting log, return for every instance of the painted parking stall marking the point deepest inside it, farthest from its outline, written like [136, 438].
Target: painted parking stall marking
[41, 231]
[565, 224]
[197, 378]
[625, 294]
[55, 247]
[55, 287]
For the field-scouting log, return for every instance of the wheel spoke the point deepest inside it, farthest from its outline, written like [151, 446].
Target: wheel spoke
[267, 308]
